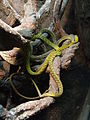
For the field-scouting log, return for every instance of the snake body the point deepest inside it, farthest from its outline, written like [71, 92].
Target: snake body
[48, 61]
[74, 39]
[55, 77]
[42, 67]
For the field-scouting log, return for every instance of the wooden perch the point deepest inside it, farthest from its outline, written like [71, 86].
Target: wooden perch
[67, 55]
[28, 109]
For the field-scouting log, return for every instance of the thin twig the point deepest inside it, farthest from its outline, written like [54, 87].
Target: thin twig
[56, 19]
[63, 6]
[58, 10]
[43, 9]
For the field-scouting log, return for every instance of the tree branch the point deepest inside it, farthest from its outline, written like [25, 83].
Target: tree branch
[9, 37]
[52, 84]
[64, 4]
[7, 4]
[44, 8]
[28, 109]
[56, 19]
[67, 54]
[28, 24]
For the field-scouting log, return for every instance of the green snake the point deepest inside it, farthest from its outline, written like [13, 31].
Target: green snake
[48, 62]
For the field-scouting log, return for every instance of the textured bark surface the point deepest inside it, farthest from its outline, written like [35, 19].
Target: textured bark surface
[6, 14]
[26, 20]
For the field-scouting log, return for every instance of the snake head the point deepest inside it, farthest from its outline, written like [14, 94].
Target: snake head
[74, 38]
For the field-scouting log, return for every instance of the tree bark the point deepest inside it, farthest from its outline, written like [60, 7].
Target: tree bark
[18, 37]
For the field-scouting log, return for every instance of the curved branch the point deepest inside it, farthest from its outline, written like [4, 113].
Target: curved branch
[44, 8]
[64, 4]
[56, 19]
